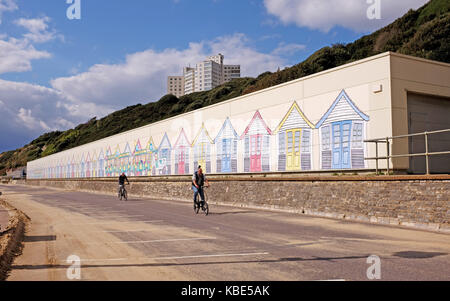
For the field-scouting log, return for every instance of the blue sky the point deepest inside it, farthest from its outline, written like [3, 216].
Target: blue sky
[56, 73]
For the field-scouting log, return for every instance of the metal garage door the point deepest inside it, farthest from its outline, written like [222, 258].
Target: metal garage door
[429, 113]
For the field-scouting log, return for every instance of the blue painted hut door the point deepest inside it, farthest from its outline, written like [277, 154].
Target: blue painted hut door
[226, 155]
[341, 144]
[165, 160]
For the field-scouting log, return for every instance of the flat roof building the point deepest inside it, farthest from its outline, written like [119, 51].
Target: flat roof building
[175, 85]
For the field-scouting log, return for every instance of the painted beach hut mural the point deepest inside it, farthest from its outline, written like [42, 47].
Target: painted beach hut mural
[83, 166]
[75, 166]
[294, 136]
[226, 148]
[150, 158]
[88, 168]
[58, 170]
[202, 150]
[109, 162]
[72, 167]
[101, 165]
[116, 162]
[125, 160]
[139, 156]
[68, 168]
[94, 162]
[256, 139]
[164, 154]
[181, 150]
[342, 131]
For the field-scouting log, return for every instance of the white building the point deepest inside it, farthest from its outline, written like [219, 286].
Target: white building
[189, 80]
[204, 77]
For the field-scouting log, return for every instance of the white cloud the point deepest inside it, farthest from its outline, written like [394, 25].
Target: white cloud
[7, 5]
[16, 55]
[288, 49]
[38, 29]
[29, 110]
[326, 14]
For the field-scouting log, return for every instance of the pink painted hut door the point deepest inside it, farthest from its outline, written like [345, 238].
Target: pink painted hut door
[181, 159]
[255, 153]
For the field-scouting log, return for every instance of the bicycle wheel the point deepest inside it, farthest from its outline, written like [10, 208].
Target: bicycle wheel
[125, 195]
[206, 208]
[120, 194]
[196, 206]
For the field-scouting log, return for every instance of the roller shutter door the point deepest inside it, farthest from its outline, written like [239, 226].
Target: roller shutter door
[429, 113]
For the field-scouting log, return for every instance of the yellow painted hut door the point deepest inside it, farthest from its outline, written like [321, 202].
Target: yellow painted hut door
[202, 156]
[293, 149]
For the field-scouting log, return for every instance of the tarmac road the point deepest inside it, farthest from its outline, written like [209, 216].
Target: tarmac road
[145, 239]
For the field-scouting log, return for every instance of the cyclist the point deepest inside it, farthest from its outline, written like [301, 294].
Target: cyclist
[198, 181]
[122, 180]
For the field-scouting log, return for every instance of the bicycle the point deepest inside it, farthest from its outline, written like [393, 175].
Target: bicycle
[205, 207]
[123, 194]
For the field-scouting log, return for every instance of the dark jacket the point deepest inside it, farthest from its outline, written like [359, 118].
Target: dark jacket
[122, 180]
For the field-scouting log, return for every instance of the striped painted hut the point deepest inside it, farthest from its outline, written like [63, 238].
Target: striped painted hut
[181, 149]
[116, 162]
[256, 139]
[164, 155]
[101, 165]
[88, 166]
[226, 148]
[139, 155]
[342, 131]
[150, 158]
[294, 135]
[125, 160]
[94, 163]
[202, 149]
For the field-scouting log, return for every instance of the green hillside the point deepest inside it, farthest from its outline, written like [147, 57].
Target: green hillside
[423, 33]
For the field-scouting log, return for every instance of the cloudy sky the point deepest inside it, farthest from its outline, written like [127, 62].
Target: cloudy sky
[56, 73]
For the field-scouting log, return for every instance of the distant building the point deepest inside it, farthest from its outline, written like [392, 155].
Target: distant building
[231, 72]
[175, 85]
[206, 75]
[189, 80]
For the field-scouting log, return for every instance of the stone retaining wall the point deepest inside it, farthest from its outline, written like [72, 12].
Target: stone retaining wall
[404, 201]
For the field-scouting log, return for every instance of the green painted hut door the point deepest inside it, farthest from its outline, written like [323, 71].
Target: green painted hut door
[293, 149]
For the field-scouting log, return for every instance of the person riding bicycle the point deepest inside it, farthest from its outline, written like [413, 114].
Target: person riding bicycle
[198, 181]
[122, 180]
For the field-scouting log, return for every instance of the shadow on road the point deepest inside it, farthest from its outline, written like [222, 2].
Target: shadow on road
[288, 259]
[231, 212]
[39, 238]
[418, 254]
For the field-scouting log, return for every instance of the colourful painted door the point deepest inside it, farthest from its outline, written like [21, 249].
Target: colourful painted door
[226, 155]
[181, 159]
[293, 149]
[255, 153]
[202, 156]
[341, 144]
